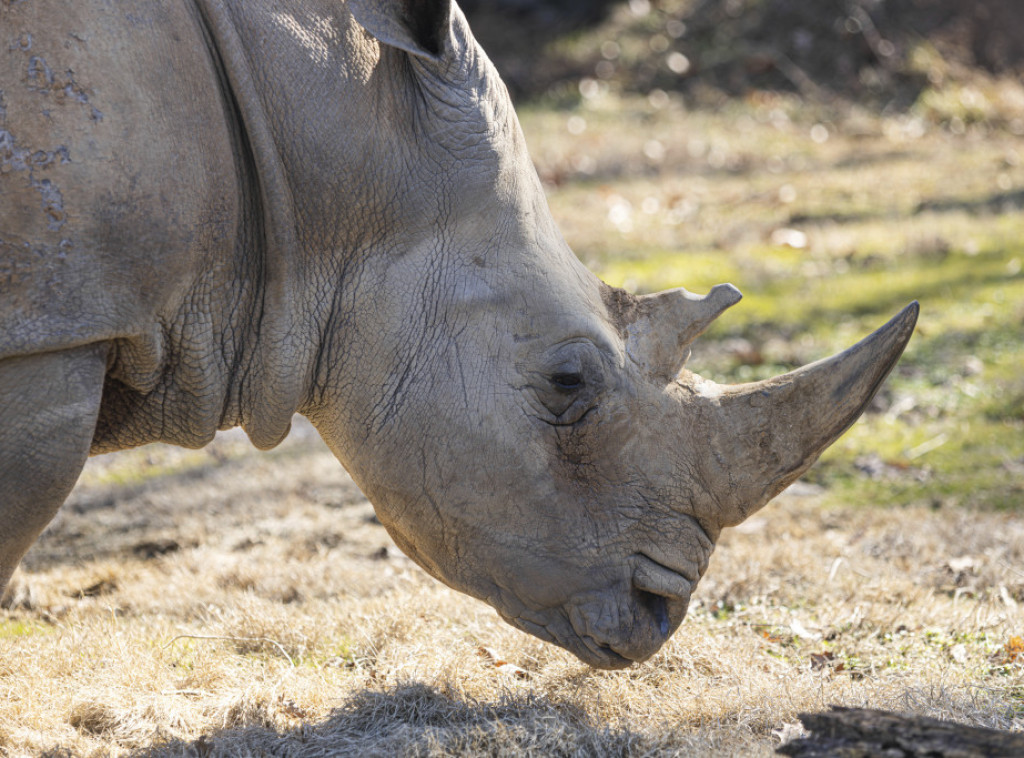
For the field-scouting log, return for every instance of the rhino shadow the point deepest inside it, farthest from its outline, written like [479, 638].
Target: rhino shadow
[419, 719]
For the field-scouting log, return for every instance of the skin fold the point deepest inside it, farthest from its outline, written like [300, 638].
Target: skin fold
[217, 213]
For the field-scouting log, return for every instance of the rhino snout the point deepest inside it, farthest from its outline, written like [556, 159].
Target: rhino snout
[619, 626]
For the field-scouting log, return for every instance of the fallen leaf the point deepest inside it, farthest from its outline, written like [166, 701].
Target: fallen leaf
[790, 731]
[957, 565]
[1013, 650]
[290, 708]
[492, 657]
[512, 670]
[793, 238]
[102, 587]
[150, 549]
[1008, 601]
[821, 660]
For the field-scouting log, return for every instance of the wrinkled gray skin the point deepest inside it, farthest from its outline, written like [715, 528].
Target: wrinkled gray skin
[221, 213]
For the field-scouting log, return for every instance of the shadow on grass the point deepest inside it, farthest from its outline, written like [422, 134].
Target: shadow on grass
[997, 204]
[140, 514]
[416, 719]
[1001, 203]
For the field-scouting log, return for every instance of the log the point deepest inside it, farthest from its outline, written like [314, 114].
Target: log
[866, 733]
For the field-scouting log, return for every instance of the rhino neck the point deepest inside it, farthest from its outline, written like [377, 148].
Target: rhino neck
[200, 347]
[281, 354]
[327, 125]
[279, 305]
[366, 161]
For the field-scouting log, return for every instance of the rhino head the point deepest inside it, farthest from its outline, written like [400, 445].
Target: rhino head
[527, 434]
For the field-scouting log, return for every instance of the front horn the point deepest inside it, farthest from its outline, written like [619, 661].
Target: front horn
[764, 435]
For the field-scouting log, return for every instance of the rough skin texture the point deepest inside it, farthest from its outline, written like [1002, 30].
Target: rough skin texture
[220, 213]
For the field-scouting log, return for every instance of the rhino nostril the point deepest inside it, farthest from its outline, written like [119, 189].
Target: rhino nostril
[658, 607]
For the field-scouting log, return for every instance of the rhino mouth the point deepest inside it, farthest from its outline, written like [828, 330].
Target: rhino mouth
[635, 639]
[558, 630]
[618, 626]
[637, 642]
[658, 606]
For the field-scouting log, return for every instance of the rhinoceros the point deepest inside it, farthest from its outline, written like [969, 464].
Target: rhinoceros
[220, 213]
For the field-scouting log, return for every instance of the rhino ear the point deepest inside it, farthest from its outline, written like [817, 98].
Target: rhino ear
[419, 27]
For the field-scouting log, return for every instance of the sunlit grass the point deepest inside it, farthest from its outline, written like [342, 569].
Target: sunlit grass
[827, 238]
[14, 628]
[277, 627]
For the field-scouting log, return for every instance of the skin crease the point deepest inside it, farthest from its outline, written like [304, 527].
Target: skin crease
[383, 261]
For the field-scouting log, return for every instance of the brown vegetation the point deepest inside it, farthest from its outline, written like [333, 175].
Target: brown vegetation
[246, 603]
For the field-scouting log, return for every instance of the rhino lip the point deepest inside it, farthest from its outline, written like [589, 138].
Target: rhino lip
[583, 646]
[664, 592]
[605, 656]
[652, 578]
[655, 617]
[663, 616]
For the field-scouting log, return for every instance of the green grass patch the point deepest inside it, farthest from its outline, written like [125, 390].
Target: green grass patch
[11, 629]
[880, 219]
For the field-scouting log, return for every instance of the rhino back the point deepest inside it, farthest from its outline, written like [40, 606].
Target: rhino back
[121, 204]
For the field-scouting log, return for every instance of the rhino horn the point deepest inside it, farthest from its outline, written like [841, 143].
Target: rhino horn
[766, 434]
[668, 322]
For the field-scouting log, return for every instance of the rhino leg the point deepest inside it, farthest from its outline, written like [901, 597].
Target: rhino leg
[48, 408]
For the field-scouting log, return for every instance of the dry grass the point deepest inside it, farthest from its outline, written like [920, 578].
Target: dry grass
[246, 603]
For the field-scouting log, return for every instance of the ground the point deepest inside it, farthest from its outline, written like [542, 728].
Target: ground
[226, 601]
[239, 602]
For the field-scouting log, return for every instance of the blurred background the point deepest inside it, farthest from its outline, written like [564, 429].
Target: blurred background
[835, 160]
[885, 54]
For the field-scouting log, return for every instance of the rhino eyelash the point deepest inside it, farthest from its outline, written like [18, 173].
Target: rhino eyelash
[567, 382]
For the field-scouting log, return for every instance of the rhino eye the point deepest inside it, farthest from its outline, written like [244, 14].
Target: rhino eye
[569, 385]
[567, 382]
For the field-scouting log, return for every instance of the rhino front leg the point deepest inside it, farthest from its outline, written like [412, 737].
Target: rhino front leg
[48, 408]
